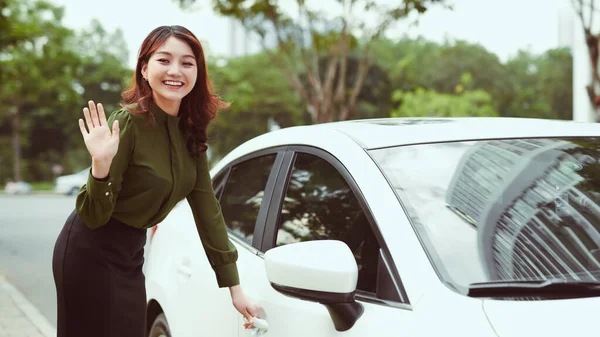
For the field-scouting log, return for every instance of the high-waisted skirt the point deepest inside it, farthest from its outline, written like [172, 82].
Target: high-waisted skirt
[100, 285]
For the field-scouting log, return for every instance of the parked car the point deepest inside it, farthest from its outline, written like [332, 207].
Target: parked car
[71, 183]
[395, 227]
[18, 187]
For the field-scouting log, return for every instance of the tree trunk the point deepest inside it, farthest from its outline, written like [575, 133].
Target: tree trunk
[592, 42]
[16, 144]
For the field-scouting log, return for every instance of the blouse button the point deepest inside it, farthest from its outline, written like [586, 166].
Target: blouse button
[109, 183]
[107, 193]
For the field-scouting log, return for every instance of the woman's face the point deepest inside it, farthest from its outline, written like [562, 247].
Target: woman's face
[171, 72]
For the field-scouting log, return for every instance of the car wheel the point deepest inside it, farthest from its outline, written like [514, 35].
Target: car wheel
[73, 191]
[160, 327]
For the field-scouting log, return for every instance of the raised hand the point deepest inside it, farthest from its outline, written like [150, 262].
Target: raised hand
[101, 143]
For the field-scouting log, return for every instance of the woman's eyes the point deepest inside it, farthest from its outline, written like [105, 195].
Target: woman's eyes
[187, 64]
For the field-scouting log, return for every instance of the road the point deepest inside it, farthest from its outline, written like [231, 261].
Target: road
[29, 226]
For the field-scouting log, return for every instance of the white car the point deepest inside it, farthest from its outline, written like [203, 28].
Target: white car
[19, 187]
[71, 184]
[395, 227]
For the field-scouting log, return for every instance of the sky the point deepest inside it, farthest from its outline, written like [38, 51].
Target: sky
[502, 26]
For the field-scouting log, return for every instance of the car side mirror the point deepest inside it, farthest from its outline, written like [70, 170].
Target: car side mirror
[322, 271]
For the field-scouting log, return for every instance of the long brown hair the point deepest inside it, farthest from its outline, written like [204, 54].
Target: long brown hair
[197, 108]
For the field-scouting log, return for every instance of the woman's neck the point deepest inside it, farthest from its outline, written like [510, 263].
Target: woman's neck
[168, 106]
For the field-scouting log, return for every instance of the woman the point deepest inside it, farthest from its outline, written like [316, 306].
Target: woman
[146, 157]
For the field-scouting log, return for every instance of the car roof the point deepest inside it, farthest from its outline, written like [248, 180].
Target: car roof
[386, 132]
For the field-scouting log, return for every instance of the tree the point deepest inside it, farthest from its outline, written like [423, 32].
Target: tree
[101, 76]
[34, 63]
[527, 85]
[556, 81]
[593, 44]
[542, 85]
[429, 103]
[373, 100]
[46, 80]
[103, 72]
[16, 26]
[296, 42]
[257, 92]
[418, 63]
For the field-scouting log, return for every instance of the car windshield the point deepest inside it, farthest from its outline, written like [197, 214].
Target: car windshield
[498, 210]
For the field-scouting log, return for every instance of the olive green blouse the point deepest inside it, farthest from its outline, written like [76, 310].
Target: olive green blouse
[151, 172]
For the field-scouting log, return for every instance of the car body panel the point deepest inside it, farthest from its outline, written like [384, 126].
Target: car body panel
[567, 317]
[191, 288]
[378, 133]
[374, 133]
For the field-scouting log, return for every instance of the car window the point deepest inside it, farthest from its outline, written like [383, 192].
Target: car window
[243, 194]
[504, 209]
[218, 183]
[318, 205]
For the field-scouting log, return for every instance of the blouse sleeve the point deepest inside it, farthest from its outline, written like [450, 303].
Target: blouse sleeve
[96, 199]
[210, 223]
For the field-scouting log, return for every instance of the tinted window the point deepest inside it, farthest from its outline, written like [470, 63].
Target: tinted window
[219, 182]
[318, 205]
[524, 209]
[243, 195]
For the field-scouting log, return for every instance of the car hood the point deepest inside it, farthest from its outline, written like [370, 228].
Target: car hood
[570, 317]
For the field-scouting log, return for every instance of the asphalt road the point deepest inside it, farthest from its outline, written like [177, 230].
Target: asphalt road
[29, 226]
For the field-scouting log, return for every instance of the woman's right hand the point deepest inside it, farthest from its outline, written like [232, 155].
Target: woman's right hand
[101, 143]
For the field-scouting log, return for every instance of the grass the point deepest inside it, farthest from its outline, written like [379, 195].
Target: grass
[42, 186]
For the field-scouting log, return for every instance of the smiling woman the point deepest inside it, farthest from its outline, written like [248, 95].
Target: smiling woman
[168, 67]
[171, 72]
[139, 172]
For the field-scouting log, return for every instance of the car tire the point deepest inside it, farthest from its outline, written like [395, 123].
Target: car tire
[73, 191]
[160, 327]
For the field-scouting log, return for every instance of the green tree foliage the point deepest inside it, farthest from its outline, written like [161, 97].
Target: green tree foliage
[542, 85]
[296, 39]
[419, 63]
[429, 103]
[527, 85]
[257, 92]
[35, 66]
[46, 79]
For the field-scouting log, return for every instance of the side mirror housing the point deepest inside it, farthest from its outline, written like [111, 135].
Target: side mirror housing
[322, 271]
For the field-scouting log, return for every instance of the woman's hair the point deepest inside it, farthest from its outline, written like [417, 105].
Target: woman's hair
[197, 108]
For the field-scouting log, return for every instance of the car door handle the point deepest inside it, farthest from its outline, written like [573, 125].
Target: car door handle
[261, 327]
[183, 267]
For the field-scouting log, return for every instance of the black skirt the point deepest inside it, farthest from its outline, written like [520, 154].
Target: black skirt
[100, 285]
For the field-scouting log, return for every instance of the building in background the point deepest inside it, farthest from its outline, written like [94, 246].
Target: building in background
[240, 39]
[571, 35]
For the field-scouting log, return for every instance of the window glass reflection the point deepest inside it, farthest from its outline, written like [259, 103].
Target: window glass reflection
[320, 205]
[517, 209]
[243, 195]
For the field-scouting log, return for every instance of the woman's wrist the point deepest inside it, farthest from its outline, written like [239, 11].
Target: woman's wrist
[236, 289]
[100, 168]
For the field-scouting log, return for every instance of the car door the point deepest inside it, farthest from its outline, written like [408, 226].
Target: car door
[242, 188]
[315, 198]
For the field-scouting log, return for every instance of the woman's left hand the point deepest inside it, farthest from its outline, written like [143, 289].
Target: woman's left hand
[242, 305]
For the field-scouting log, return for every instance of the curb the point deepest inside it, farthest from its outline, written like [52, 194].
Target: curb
[28, 309]
[30, 193]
